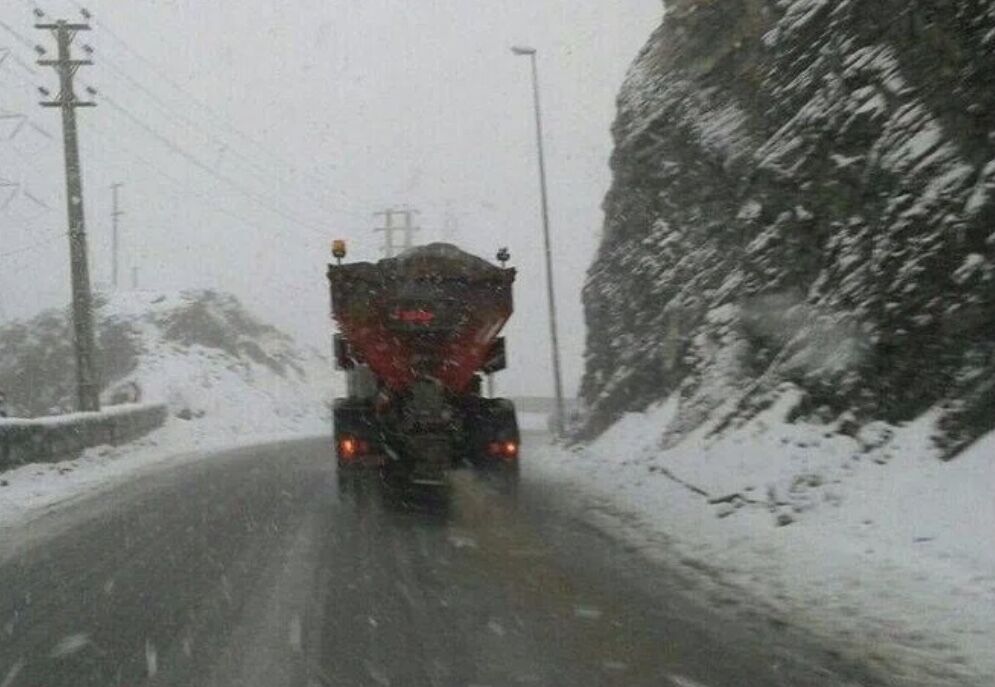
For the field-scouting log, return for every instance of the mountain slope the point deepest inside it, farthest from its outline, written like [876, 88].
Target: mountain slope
[199, 351]
[804, 191]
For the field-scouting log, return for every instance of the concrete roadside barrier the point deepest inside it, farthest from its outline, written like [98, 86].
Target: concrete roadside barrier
[64, 437]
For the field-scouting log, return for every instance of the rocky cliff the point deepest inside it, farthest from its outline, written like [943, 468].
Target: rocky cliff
[804, 193]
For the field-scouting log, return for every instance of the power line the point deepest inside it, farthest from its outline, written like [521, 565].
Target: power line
[21, 38]
[24, 40]
[206, 200]
[219, 119]
[189, 157]
[256, 168]
[173, 113]
[34, 246]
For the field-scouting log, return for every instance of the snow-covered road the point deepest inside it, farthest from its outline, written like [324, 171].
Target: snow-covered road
[250, 567]
[869, 544]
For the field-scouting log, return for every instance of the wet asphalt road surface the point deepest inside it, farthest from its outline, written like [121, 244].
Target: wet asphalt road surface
[255, 568]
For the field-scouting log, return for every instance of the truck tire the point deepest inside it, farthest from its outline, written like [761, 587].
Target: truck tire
[356, 435]
[494, 438]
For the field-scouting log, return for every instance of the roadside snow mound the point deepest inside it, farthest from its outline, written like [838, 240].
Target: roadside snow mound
[198, 351]
[869, 539]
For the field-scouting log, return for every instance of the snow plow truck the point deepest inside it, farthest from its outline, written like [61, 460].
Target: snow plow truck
[416, 334]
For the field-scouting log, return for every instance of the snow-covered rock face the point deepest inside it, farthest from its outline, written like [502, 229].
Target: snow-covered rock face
[804, 191]
[198, 351]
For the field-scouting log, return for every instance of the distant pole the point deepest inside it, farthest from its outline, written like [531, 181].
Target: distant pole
[115, 243]
[134, 278]
[67, 101]
[544, 193]
[407, 228]
[450, 224]
[388, 229]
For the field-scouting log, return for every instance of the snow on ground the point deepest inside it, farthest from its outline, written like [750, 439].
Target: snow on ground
[533, 422]
[218, 399]
[31, 490]
[870, 541]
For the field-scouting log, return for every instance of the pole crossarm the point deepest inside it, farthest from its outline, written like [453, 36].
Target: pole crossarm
[62, 63]
[72, 28]
[70, 102]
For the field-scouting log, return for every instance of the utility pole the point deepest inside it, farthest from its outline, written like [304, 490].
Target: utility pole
[450, 224]
[115, 241]
[389, 228]
[409, 227]
[544, 194]
[67, 101]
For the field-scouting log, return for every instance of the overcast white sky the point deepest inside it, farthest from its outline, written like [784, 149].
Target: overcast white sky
[250, 133]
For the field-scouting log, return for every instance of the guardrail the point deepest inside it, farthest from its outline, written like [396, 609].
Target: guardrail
[63, 437]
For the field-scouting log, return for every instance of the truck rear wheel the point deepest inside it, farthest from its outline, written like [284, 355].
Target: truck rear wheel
[358, 442]
[494, 440]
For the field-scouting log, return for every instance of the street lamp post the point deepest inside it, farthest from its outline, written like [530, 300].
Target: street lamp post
[554, 338]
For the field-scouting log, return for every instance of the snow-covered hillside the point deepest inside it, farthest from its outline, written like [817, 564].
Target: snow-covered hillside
[219, 369]
[228, 380]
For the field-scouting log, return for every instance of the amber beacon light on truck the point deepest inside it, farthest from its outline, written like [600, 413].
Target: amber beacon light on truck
[338, 250]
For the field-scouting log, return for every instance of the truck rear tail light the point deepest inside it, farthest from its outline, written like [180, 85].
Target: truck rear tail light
[503, 449]
[351, 447]
[348, 447]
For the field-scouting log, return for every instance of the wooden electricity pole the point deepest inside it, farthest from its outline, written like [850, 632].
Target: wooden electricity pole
[67, 101]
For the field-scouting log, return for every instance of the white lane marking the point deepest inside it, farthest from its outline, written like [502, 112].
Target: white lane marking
[461, 541]
[681, 681]
[70, 645]
[587, 613]
[151, 658]
[296, 634]
[378, 674]
[13, 673]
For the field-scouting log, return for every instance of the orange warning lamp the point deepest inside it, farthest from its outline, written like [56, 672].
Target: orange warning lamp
[338, 249]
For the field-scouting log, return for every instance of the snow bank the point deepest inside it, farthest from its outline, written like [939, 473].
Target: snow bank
[227, 380]
[869, 540]
[31, 490]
